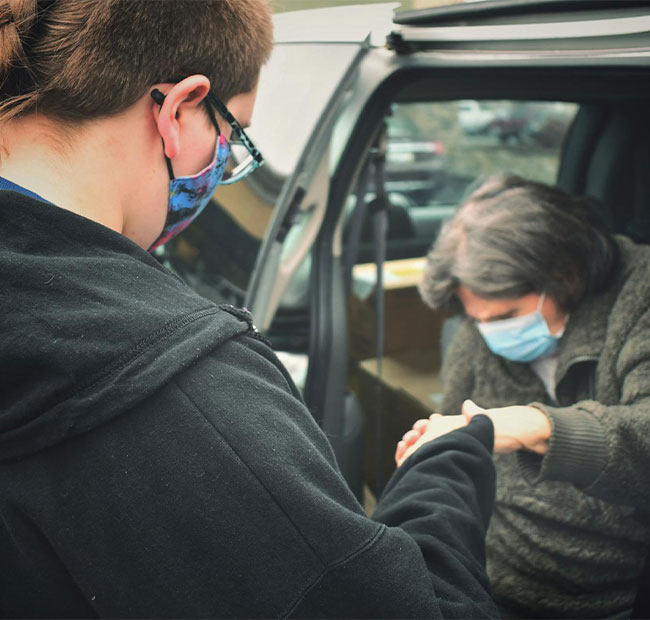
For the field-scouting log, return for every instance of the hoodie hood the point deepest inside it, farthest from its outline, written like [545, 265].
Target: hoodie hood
[91, 325]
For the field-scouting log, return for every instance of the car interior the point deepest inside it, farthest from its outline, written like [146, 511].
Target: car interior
[606, 155]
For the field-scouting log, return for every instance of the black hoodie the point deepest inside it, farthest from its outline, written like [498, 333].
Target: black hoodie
[156, 459]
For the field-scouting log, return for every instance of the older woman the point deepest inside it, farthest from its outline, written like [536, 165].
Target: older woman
[555, 348]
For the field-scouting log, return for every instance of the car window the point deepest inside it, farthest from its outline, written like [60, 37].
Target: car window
[459, 141]
[436, 151]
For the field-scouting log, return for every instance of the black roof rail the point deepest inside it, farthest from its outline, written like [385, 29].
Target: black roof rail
[497, 8]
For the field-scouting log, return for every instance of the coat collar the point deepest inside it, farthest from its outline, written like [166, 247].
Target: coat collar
[587, 327]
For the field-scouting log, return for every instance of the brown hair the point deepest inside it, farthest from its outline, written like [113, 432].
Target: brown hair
[74, 60]
[512, 237]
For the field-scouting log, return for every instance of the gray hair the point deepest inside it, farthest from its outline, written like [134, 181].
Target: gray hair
[512, 237]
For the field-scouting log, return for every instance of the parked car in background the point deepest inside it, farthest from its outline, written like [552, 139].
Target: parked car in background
[511, 122]
[474, 118]
[407, 144]
[557, 91]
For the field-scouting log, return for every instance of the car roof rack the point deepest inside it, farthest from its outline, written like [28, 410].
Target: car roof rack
[599, 24]
[499, 8]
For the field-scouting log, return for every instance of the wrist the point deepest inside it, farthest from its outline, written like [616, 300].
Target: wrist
[577, 450]
[543, 430]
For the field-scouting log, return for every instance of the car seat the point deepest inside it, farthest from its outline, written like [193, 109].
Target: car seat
[606, 155]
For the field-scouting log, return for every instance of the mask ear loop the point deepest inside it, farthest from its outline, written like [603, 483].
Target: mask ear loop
[213, 118]
[540, 303]
[159, 98]
[539, 310]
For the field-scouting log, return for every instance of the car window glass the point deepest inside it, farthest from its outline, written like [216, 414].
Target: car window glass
[442, 147]
[436, 151]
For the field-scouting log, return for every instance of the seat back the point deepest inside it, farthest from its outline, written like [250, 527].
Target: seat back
[606, 155]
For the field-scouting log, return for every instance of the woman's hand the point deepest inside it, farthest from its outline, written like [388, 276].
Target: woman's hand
[515, 428]
[424, 431]
[409, 439]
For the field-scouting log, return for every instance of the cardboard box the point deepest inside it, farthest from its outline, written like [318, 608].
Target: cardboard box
[409, 324]
[410, 389]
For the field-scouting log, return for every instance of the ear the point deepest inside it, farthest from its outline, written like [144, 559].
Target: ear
[179, 99]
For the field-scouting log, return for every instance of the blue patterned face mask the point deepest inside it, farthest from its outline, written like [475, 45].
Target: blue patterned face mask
[521, 338]
[189, 195]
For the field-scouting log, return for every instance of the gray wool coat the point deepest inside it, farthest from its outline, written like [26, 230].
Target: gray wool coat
[570, 530]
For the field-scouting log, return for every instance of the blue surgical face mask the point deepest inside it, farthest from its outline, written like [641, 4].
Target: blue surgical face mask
[521, 338]
[189, 195]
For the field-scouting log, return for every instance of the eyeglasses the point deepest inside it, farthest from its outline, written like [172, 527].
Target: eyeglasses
[244, 157]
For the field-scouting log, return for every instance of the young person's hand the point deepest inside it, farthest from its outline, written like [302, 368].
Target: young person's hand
[409, 438]
[515, 428]
[424, 431]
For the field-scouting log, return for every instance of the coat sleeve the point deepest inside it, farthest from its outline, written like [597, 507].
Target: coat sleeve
[428, 559]
[458, 370]
[604, 450]
[442, 497]
[219, 496]
[422, 554]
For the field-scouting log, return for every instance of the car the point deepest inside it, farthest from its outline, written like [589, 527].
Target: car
[367, 108]
[473, 118]
[407, 143]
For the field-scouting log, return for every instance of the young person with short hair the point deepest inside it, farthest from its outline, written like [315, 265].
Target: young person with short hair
[156, 460]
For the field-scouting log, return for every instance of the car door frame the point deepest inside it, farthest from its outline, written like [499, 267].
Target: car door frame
[272, 272]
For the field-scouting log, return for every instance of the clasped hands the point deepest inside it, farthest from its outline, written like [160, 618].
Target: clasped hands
[515, 428]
